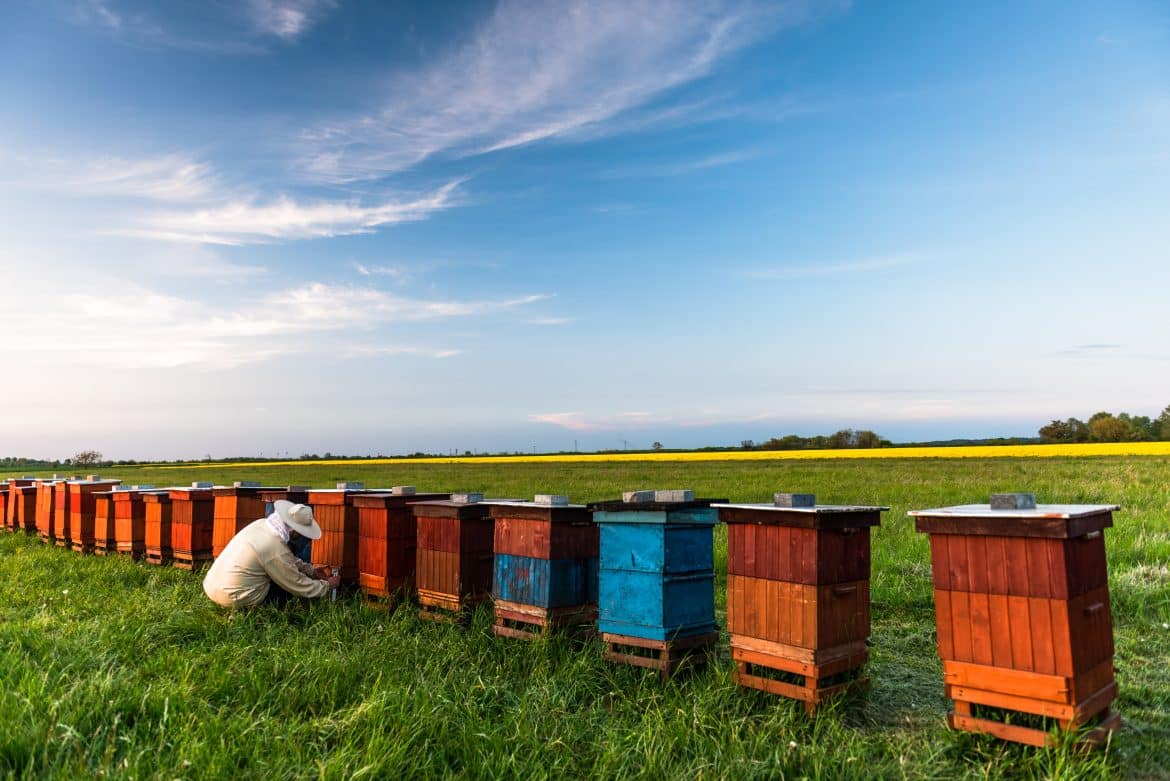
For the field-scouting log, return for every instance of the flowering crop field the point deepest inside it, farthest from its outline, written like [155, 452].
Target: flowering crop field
[117, 669]
[1079, 450]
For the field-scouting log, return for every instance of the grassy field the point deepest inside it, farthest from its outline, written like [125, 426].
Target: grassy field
[116, 669]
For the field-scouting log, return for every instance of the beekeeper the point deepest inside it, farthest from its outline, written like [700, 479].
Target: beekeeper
[258, 565]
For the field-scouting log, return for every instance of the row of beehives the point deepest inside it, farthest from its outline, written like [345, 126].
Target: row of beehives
[1021, 597]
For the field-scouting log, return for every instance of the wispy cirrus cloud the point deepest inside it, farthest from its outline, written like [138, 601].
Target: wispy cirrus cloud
[133, 326]
[171, 177]
[682, 167]
[535, 71]
[240, 222]
[214, 28]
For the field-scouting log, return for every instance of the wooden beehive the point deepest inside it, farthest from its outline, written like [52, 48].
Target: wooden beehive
[82, 510]
[546, 559]
[46, 518]
[62, 512]
[296, 494]
[159, 548]
[338, 518]
[104, 540]
[192, 521]
[22, 505]
[130, 522]
[4, 505]
[387, 541]
[1022, 615]
[798, 596]
[656, 581]
[235, 507]
[453, 569]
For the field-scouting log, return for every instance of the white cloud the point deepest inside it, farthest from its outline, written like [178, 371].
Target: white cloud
[249, 222]
[536, 70]
[287, 19]
[173, 177]
[682, 167]
[367, 351]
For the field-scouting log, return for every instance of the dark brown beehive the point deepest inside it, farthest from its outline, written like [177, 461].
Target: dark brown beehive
[798, 596]
[1022, 614]
[453, 569]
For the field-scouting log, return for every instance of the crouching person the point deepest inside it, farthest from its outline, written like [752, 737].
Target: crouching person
[259, 567]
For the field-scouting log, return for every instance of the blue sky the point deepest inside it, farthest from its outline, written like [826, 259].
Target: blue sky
[286, 226]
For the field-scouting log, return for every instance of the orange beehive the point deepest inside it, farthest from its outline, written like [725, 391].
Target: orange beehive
[82, 510]
[46, 518]
[21, 513]
[387, 535]
[236, 506]
[1022, 613]
[104, 541]
[297, 494]
[798, 595]
[130, 522]
[158, 528]
[62, 513]
[192, 522]
[4, 504]
[453, 568]
[338, 519]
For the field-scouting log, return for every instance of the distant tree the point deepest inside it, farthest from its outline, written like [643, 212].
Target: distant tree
[867, 439]
[1107, 427]
[1141, 427]
[842, 439]
[1162, 424]
[1071, 430]
[657, 446]
[747, 444]
[87, 458]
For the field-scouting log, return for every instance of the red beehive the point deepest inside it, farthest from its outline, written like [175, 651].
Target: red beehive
[192, 522]
[798, 595]
[387, 537]
[82, 509]
[235, 507]
[1022, 613]
[338, 519]
[130, 522]
[453, 569]
[22, 505]
[158, 528]
[62, 512]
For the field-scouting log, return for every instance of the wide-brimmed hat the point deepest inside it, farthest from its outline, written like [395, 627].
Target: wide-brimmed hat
[298, 517]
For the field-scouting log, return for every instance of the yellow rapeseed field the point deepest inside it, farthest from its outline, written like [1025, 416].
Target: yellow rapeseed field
[972, 451]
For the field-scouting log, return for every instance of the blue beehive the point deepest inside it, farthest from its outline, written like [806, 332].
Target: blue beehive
[544, 583]
[657, 574]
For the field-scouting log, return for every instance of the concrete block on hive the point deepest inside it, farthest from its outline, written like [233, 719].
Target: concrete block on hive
[631, 497]
[674, 495]
[1013, 501]
[467, 498]
[794, 500]
[403, 490]
[551, 500]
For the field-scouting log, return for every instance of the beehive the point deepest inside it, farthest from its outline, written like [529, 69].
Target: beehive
[192, 521]
[62, 512]
[297, 494]
[158, 527]
[82, 510]
[1022, 616]
[453, 570]
[4, 506]
[546, 554]
[338, 545]
[46, 517]
[387, 541]
[235, 507]
[656, 584]
[798, 595]
[21, 513]
[104, 530]
[130, 521]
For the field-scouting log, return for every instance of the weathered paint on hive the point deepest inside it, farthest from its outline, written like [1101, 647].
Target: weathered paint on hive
[654, 606]
[543, 582]
[655, 547]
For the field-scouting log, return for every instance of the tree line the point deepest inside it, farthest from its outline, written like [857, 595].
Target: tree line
[1107, 427]
[840, 440]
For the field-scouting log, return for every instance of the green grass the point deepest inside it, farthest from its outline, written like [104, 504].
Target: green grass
[110, 668]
